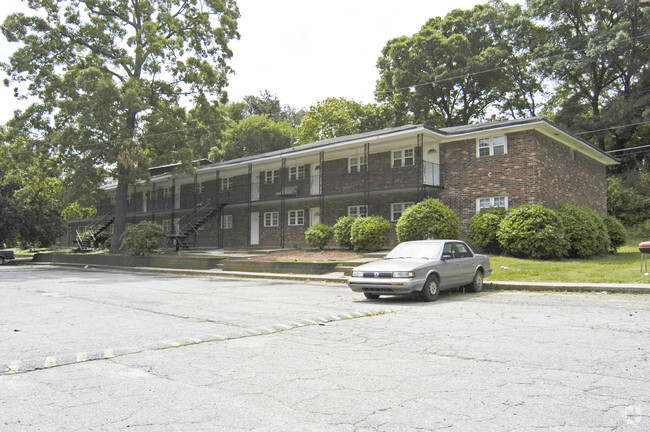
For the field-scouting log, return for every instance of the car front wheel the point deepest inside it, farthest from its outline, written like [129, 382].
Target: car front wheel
[431, 289]
[477, 283]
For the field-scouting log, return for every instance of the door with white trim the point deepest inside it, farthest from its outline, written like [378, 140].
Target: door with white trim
[255, 228]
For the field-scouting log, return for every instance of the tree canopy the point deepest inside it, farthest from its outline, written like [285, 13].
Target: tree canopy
[105, 72]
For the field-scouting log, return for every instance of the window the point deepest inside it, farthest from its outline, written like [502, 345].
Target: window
[491, 146]
[167, 226]
[358, 211]
[357, 164]
[271, 219]
[167, 192]
[403, 158]
[396, 210]
[226, 221]
[226, 183]
[271, 176]
[296, 217]
[297, 173]
[200, 187]
[482, 203]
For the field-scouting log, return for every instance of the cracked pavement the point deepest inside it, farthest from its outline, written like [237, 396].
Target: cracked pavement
[167, 353]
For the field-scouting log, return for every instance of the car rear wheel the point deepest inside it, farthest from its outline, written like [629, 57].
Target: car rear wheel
[370, 296]
[477, 282]
[431, 289]
[2, 260]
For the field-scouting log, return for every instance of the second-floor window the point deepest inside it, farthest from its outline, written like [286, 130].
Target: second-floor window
[200, 187]
[167, 192]
[403, 158]
[272, 176]
[358, 211]
[296, 217]
[357, 164]
[271, 219]
[226, 183]
[297, 173]
[491, 146]
[396, 210]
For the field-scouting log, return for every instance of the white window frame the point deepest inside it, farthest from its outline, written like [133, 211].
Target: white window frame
[296, 217]
[271, 176]
[226, 221]
[271, 219]
[200, 187]
[358, 211]
[297, 173]
[398, 208]
[167, 226]
[355, 164]
[167, 192]
[400, 158]
[498, 201]
[226, 183]
[488, 143]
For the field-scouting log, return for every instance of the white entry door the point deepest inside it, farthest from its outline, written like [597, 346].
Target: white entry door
[431, 165]
[255, 228]
[314, 216]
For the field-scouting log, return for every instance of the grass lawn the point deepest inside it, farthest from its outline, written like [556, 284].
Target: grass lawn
[623, 267]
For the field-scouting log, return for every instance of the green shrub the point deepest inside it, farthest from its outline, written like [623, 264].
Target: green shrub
[482, 228]
[369, 234]
[428, 219]
[143, 238]
[616, 231]
[342, 229]
[532, 231]
[584, 230]
[318, 235]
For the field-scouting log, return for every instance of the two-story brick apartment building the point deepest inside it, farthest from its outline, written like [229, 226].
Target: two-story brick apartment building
[269, 200]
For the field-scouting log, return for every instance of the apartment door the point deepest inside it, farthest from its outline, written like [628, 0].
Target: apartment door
[315, 173]
[255, 228]
[431, 164]
[314, 216]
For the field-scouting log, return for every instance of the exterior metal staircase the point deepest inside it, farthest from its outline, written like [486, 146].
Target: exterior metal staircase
[191, 222]
[86, 238]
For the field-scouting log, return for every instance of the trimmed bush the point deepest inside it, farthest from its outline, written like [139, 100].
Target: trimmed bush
[533, 231]
[342, 229]
[370, 233]
[616, 231]
[143, 238]
[428, 219]
[482, 228]
[584, 230]
[318, 235]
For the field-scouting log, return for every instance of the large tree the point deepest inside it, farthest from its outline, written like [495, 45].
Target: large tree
[104, 72]
[597, 54]
[457, 68]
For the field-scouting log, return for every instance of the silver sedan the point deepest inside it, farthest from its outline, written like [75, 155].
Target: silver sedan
[424, 266]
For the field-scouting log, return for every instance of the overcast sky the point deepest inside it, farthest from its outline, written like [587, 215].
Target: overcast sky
[303, 51]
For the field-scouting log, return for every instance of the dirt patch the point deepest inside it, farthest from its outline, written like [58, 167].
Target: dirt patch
[306, 256]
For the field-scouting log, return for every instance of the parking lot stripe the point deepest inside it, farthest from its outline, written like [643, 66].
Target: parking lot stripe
[82, 357]
[196, 340]
[172, 343]
[284, 326]
[50, 362]
[108, 353]
[14, 367]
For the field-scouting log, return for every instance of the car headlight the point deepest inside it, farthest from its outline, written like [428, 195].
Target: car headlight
[357, 274]
[403, 274]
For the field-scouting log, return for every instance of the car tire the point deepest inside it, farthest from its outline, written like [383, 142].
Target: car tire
[477, 283]
[370, 296]
[431, 289]
[2, 260]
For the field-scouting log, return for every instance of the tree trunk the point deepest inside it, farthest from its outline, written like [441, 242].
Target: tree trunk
[121, 204]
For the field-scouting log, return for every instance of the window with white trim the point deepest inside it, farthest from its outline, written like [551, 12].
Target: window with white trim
[296, 217]
[357, 164]
[167, 226]
[396, 210]
[358, 211]
[200, 187]
[167, 192]
[271, 176]
[226, 221]
[226, 183]
[297, 173]
[483, 203]
[271, 219]
[403, 158]
[491, 146]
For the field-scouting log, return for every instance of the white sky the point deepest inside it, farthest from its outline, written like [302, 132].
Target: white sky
[303, 51]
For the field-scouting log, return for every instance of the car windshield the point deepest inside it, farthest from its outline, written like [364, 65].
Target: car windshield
[415, 250]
